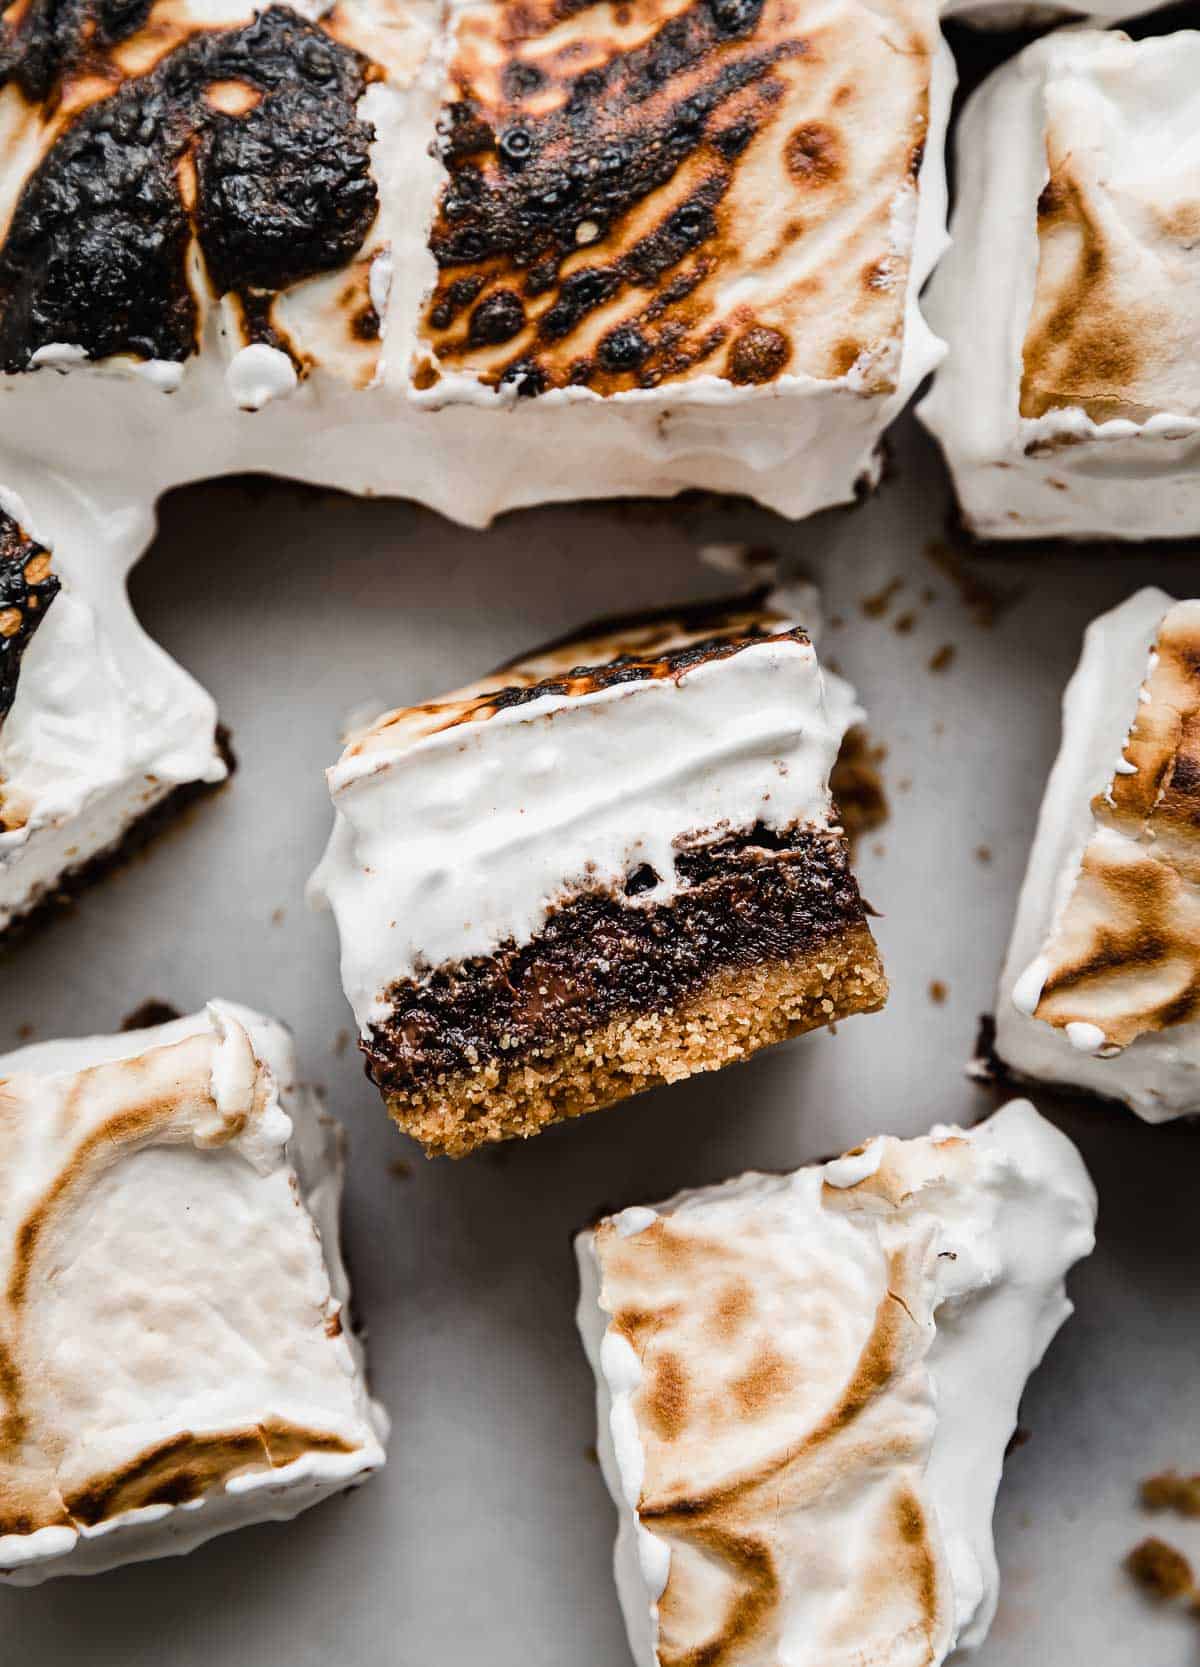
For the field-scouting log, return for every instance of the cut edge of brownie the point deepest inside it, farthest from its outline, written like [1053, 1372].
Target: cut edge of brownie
[63, 892]
[734, 1015]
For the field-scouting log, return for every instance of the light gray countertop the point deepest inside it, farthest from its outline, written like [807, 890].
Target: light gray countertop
[488, 1537]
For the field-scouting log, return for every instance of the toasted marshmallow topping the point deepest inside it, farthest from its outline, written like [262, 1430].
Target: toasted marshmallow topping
[1102, 984]
[102, 725]
[763, 239]
[177, 1359]
[459, 825]
[806, 1384]
[1069, 404]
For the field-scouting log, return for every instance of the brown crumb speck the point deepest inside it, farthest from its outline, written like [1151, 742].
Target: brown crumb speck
[1160, 1569]
[984, 601]
[1169, 1491]
[903, 624]
[943, 658]
[983, 853]
[591, 1455]
[341, 1042]
[277, 916]
[25, 1032]
[937, 992]
[879, 601]
[401, 1169]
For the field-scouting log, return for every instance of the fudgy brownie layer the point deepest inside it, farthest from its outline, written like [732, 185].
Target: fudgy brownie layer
[733, 1016]
[754, 897]
[63, 891]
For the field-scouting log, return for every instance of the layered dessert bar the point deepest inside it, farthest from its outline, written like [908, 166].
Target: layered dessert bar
[606, 867]
[1069, 404]
[806, 1384]
[1101, 988]
[482, 254]
[102, 736]
[178, 1360]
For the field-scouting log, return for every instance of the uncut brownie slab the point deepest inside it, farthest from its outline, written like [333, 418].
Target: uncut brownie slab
[607, 867]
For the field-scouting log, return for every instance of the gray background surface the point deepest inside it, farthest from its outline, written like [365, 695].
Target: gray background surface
[487, 1539]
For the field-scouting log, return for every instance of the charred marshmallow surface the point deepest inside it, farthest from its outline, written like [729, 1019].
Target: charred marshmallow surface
[27, 588]
[1069, 404]
[344, 242]
[462, 826]
[177, 1356]
[806, 1384]
[1101, 989]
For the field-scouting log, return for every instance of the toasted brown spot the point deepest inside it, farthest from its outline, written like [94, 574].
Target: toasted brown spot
[766, 1382]
[844, 357]
[666, 1398]
[188, 1466]
[758, 355]
[813, 154]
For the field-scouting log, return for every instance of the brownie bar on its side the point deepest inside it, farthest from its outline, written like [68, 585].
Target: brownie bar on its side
[765, 939]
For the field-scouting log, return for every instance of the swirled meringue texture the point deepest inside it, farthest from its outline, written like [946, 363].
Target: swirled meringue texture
[103, 727]
[189, 1368]
[806, 1384]
[1101, 987]
[1069, 403]
[620, 251]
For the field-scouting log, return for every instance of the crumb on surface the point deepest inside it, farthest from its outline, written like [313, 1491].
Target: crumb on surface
[856, 782]
[903, 623]
[341, 1042]
[983, 853]
[1161, 1570]
[25, 1032]
[401, 1169]
[943, 658]
[1169, 1491]
[985, 602]
[878, 602]
[938, 992]
[590, 1454]
[277, 916]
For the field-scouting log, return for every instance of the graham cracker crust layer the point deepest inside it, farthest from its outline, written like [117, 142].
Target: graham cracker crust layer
[736, 1013]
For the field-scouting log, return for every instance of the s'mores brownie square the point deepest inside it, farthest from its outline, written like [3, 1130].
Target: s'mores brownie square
[1101, 987]
[1069, 403]
[606, 867]
[102, 736]
[806, 1385]
[177, 1356]
[682, 243]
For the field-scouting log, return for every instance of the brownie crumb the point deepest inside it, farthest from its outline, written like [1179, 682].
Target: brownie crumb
[1170, 1491]
[878, 603]
[903, 624]
[938, 992]
[985, 602]
[278, 916]
[401, 1169]
[1161, 1570]
[341, 1042]
[25, 1032]
[856, 782]
[983, 853]
[149, 1014]
[943, 658]
[591, 1455]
